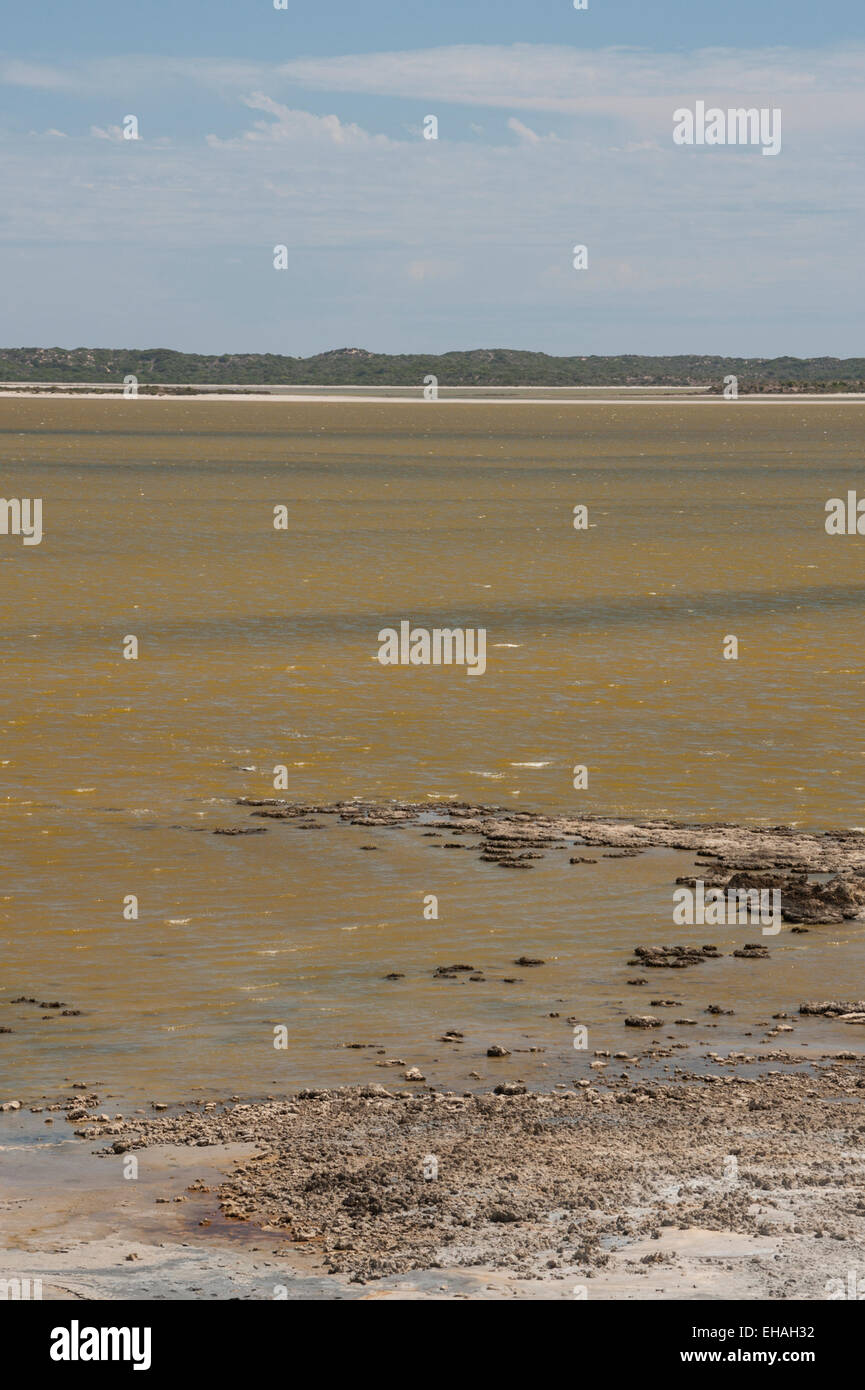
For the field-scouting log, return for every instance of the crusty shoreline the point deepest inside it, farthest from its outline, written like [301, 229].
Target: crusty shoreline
[562, 1185]
[555, 1186]
[743, 1179]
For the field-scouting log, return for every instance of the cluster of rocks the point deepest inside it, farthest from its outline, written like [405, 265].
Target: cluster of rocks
[673, 957]
[59, 1008]
[735, 858]
[448, 971]
[78, 1110]
[817, 904]
[378, 1182]
[517, 849]
[475, 973]
[845, 1012]
[779, 856]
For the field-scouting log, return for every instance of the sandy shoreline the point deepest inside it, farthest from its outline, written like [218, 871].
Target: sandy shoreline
[656, 1172]
[618, 1178]
[722, 1186]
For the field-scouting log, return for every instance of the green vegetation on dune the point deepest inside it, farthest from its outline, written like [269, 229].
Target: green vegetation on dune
[481, 367]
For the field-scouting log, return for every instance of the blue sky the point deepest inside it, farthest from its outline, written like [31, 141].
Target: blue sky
[303, 127]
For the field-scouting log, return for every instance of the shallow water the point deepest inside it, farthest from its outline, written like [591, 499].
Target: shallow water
[257, 647]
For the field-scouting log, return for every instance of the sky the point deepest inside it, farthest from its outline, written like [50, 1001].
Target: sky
[303, 127]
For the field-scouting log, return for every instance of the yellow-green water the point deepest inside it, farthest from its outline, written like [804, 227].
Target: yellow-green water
[257, 648]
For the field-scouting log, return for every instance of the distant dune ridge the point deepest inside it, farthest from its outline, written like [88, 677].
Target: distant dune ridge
[479, 367]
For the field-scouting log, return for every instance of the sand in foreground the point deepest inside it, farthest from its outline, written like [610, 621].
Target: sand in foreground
[721, 1186]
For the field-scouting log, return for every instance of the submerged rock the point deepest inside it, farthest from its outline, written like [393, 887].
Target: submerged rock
[240, 830]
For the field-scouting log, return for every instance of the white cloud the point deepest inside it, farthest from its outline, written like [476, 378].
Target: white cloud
[431, 269]
[38, 75]
[111, 132]
[524, 132]
[619, 83]
[817, 87]
[479, 230]
[665, 210]
[117, 76]
[293, 125]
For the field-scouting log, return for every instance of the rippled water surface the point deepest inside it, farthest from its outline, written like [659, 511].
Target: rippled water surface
[257, 648]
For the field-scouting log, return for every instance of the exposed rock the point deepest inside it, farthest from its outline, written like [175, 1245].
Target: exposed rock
[832, 1008]
[528, 1179]
[673, 957]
